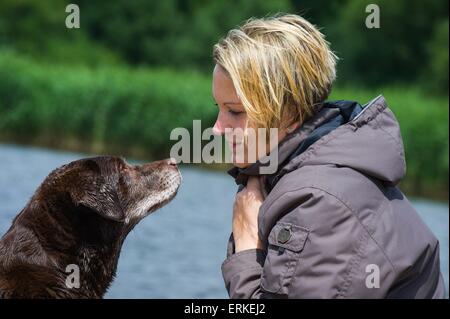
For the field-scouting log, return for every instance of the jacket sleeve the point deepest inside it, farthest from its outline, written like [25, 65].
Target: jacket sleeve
[314, 251]
[242, 271]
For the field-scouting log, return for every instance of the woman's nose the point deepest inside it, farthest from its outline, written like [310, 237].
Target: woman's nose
[218, 128]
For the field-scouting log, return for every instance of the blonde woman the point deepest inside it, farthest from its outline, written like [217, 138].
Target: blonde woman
[330, 222]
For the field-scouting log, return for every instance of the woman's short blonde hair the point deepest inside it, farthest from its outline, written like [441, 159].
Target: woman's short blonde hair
[281, 68]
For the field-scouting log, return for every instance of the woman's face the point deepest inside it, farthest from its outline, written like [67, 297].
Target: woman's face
[232, 116]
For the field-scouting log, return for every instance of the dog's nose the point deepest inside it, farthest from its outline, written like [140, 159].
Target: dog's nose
[172, 162]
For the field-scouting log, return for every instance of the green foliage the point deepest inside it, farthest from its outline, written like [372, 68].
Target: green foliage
[395, 52]
[435, 75]
[37, 28]
[172, 33]
[411, 46]
[400, 51]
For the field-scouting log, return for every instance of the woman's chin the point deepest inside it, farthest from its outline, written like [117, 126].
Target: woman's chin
[241, 165]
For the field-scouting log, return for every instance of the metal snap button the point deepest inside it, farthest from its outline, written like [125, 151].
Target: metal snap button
[284, 235]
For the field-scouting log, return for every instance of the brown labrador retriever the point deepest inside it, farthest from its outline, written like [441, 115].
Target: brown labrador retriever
[75, 224]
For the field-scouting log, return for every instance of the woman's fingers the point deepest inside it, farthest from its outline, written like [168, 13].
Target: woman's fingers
[254, 187]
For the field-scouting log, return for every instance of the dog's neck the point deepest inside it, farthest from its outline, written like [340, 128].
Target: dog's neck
[66, 240]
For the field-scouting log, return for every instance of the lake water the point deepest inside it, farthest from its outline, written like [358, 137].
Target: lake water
[177, 251]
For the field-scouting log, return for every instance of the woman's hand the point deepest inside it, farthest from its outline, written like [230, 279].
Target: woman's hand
[245, 216]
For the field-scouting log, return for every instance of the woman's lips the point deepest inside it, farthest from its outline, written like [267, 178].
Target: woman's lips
[233, 146]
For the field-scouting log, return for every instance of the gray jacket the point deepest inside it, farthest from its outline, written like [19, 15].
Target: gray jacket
[334, 223]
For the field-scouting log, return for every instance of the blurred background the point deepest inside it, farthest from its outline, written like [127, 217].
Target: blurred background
[136, 69]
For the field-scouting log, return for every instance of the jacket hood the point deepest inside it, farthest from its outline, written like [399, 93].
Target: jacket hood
[343, 133]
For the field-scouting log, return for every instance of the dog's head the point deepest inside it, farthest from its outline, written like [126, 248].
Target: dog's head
[80, 215]
[112, 188]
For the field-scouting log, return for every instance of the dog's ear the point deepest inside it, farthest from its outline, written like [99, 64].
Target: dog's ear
[102, 201]
[94, 192]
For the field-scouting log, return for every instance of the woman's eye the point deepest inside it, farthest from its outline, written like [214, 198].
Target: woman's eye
[235, 112]
[232, 112]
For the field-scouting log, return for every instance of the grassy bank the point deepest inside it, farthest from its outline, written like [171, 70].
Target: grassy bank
[132, 112]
